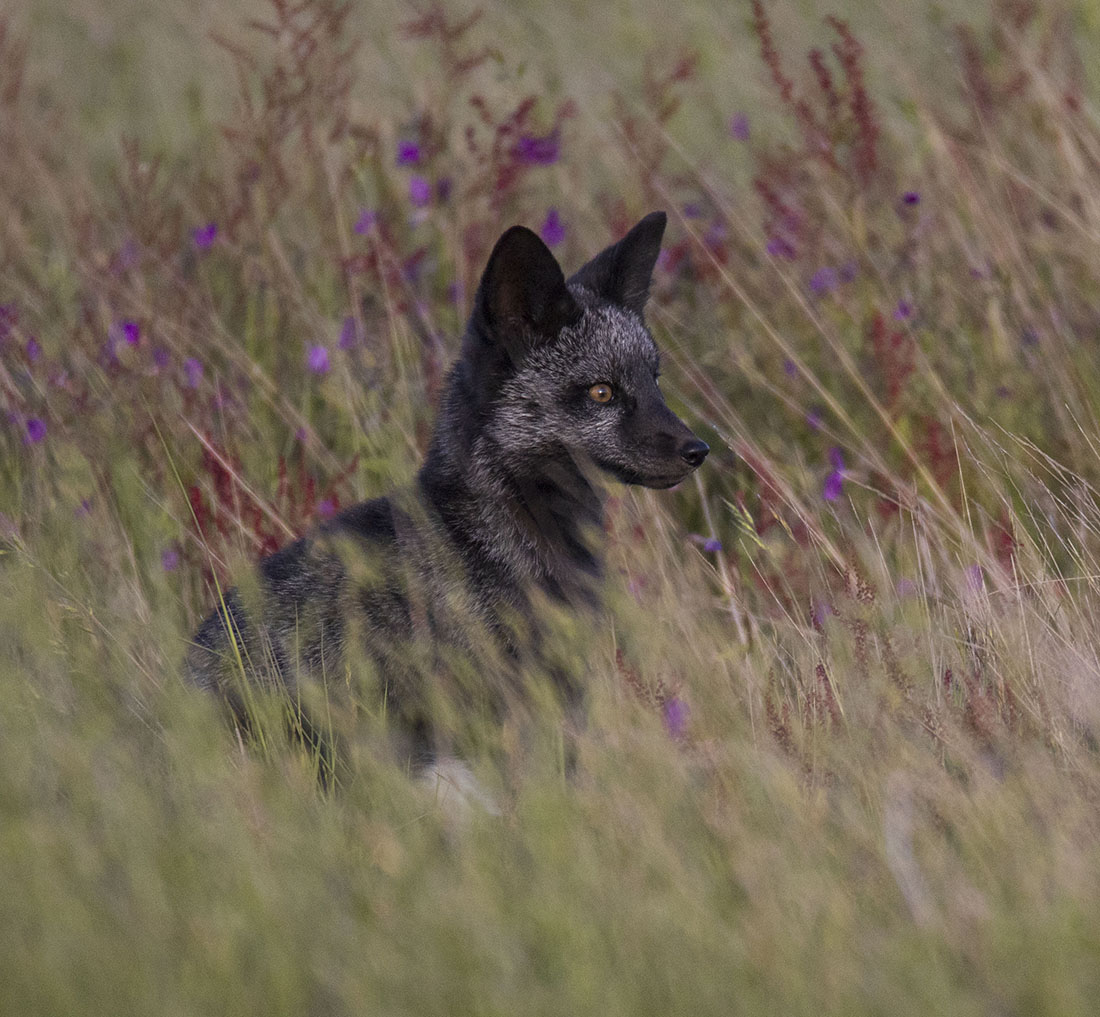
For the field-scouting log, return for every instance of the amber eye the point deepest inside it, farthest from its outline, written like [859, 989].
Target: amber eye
[601, 393]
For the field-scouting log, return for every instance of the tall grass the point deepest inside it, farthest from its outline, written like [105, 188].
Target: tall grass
[842, 753]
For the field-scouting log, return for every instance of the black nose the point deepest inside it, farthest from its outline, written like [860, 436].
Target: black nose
[694, 452]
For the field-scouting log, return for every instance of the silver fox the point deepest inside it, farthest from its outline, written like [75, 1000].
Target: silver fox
[555, 385]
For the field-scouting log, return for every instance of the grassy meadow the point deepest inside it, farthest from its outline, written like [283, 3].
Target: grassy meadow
[843, 747]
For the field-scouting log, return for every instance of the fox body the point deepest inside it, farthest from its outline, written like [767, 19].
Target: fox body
[556, 385]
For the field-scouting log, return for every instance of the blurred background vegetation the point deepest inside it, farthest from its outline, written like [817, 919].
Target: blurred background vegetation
[845, 714]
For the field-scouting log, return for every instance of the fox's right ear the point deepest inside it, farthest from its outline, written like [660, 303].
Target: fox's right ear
[522, 300]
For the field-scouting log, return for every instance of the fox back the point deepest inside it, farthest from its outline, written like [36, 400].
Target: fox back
[556, 388]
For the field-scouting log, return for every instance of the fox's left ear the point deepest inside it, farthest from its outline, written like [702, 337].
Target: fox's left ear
[622, 272]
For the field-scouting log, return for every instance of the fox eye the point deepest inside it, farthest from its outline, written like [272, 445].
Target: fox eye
[601, 392]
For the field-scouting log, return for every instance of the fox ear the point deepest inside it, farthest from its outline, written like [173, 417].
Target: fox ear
[622, 272]
[522, 299]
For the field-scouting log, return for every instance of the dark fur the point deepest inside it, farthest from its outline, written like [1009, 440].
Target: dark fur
[504, 510]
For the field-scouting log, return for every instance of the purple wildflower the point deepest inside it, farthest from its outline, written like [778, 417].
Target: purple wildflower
[712, 545]
[131, 332]
[408, 153]
[204, 236]
[84, 509]
[365, 223]
[910, 198]
[9, 318]
[420, 191]
[676, 717]
[36, 431]
[194, 370]
[820, 611]
[848, 271]
[814, 419]
[161, 357]
[552, 231]
[904, 311]
[693, 210]
[347, 333]
[317, 359]
[824, 280]
[789, 367]
[169, 559]
[443, 189]
[777, 247]
[533, 150]
[739, 127]
[34, 350]
[127, 257]
[834, 482]
[326, 509]
[715, 234]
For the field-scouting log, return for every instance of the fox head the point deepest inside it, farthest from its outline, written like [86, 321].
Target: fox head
[551, 364]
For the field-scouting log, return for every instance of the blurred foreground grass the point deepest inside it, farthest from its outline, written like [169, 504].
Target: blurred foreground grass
[843, 750]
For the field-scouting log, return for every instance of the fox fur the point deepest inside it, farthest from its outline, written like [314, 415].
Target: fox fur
[555, 389]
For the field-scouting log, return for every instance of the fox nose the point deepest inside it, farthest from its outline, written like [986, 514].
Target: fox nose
[693, 452]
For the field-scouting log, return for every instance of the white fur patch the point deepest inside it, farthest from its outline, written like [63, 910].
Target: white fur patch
[457, 791]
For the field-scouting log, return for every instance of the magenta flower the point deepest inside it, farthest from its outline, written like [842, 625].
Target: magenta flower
[365, 223]
[204, 236]
[777, 247]
[820, 611]
[532, 150]
[420, 191]
[194, 370]
[347, 333]
[131, 332]
[676, 717]
[326, 509]
[126, 258]
[317, 359]
[824, 280]
[408, 153]
[739, 127]
[9, 318]
[834, 482]
[552, 230]
[36, 431]
[910, 198]
[169, 559]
